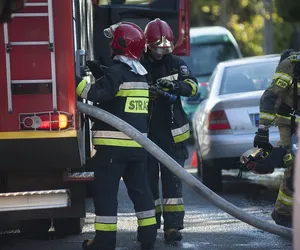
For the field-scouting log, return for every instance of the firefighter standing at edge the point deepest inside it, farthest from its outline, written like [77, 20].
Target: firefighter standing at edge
[168, 125]
[276, 107]
[123, 91]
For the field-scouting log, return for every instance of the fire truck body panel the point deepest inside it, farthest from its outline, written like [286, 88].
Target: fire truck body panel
[33, 62]
[25, 58]
[43, 140]
[39, 125]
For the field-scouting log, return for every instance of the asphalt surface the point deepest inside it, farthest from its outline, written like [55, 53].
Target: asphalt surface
[206, 227]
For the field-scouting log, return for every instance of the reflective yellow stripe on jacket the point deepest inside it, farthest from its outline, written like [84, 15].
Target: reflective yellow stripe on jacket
[181, 134]
[83, 88]
[193, 86]
[137, 89]
[283, 76]
[114, 138]
[137, 96]
[281, 119]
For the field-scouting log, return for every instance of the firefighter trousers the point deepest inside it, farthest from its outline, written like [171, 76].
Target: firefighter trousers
[106, 183]
[172, 208]
[284, 202]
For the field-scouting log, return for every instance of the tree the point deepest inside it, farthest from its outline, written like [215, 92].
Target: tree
[245, 19]
[289, 11]
[242, 20]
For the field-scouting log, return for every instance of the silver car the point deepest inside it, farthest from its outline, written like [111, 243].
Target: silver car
[225, 123]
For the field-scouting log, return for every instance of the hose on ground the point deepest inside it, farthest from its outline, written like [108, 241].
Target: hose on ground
[189, 179]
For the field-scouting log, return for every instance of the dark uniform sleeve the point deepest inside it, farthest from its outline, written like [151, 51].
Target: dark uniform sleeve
[187, 83]
[280, 84]
[104, 89]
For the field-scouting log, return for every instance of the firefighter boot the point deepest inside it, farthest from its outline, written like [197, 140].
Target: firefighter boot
[91, 245]
[282, 220]
[145, 246]
[172, 235]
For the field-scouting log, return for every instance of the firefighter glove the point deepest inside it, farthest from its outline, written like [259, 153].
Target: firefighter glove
[261, 139]
[153, 94]
[95, 68]
[261, 167]
[170, 85]
[267, 165]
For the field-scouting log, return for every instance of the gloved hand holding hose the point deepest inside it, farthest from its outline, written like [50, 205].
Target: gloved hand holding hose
[261, 139]
[170, 85]
[96, 68]
[155, 91]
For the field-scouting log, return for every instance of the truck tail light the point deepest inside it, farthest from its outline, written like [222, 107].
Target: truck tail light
[217, 120]
[46, 121]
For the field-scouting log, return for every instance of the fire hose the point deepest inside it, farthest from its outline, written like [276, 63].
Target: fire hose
[180, 172]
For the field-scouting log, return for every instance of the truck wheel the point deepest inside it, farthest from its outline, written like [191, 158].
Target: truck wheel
[210, 175]
[35, 229]
[68, 226]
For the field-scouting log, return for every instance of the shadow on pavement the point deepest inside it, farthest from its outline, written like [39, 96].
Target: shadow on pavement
[127, 241]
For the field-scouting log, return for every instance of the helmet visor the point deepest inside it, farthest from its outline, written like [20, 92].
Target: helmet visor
[162, 46]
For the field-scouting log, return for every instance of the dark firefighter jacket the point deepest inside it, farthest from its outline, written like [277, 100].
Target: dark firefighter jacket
[168, 125]
[276, 103]
[124, 94]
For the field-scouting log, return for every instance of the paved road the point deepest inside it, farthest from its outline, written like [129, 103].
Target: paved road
[206, 227]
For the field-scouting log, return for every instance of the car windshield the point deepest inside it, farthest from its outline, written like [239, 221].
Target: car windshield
[249, 77]
[204, 57]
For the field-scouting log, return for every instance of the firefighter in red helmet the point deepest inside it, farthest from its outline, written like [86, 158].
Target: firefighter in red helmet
[122, 91]
[168, 125]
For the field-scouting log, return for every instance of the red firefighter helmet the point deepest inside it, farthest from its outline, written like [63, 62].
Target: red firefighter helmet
[128, 39]
[159, 37]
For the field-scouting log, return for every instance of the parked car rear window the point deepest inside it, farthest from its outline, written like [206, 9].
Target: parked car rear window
[248, 77]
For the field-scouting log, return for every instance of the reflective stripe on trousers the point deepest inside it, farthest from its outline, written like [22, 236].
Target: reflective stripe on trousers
[114, 138]
[157, 206]
[146, 218]
[106, 223]
[285, 199]
[173, 205]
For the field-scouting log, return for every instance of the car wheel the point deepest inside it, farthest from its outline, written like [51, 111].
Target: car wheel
[210, 175]
[68, 226]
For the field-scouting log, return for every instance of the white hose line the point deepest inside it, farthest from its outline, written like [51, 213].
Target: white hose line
[179, 171]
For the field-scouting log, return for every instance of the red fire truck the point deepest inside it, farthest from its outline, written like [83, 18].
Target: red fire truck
[44, 141]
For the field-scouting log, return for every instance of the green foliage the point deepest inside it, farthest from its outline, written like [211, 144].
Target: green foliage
[282, 35]
[245, 19]
[289, 10]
